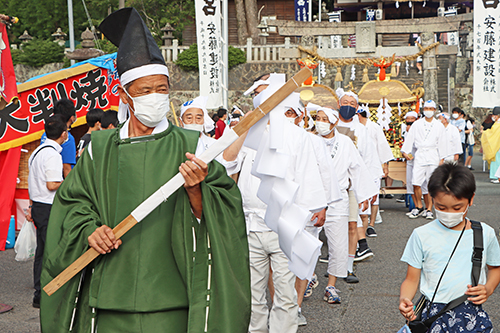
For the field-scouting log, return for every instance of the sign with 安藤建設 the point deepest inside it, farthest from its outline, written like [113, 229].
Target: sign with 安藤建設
[486, 53]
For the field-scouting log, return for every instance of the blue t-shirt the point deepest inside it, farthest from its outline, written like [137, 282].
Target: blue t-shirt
[429, 249]
[68, 152]
[460, 124]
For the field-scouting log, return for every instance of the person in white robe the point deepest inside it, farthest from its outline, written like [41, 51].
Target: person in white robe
[351, 172]
[410, 118]
[453, 137]
[264, 246]
[384, 153]
[428, 137]
[295, 115]
[358, 220]
[194, 116]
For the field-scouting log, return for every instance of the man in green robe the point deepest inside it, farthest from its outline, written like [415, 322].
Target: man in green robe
[183, 268]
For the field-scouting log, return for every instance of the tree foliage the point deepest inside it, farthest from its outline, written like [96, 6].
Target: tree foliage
[42, 18]
[188, 59]
[38, 52]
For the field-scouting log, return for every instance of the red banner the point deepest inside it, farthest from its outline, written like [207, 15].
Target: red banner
[87, 85]
[8, 90]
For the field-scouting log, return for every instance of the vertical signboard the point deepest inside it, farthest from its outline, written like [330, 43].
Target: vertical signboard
[208, 34]
[486, 53]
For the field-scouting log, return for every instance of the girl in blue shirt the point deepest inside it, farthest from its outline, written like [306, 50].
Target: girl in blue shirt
[452, 190]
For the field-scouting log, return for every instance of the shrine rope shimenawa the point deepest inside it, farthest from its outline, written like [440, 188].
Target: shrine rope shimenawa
[364, 61]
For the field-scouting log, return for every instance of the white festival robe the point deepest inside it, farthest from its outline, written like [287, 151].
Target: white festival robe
[454, 144]
[429, 140]
[351, 172]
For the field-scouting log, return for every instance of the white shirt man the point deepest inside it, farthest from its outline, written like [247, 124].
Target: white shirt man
[428, 137]
[351, 172]
[453, 138]
[45, 176]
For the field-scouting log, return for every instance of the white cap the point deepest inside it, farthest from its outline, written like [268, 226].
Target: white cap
[411, 114]
[442, 114]
[341, 93]
[199, 102]
[332, 115]
[430, 104]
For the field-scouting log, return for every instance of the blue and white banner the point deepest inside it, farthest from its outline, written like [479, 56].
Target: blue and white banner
[486, 69]
[302, 10]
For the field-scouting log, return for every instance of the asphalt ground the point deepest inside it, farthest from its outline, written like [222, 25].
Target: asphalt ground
[369, 306]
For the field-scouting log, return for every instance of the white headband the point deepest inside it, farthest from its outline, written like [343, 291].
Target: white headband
[411, 114]
[255, 85]
[341, 93]
[332, 115]
[447, 116]
[199, 102]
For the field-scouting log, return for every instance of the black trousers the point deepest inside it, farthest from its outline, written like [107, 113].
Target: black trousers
[40, 213]
[461, 157]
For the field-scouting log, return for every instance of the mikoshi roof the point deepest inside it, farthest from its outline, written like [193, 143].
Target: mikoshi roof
[394, 91]
[318, 94]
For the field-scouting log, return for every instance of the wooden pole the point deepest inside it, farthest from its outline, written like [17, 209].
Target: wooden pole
[175, 115]
[125, 225]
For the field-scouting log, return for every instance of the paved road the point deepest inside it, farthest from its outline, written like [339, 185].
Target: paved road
[370, 306]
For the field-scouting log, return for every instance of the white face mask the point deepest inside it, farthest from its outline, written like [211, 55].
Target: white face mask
[323, 128]
[455, 116]
[150, 109]
[450, 220]
[194, 127]
[291, 120]
[429, 114]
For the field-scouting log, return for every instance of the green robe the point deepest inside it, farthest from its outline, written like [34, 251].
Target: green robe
[158, 267]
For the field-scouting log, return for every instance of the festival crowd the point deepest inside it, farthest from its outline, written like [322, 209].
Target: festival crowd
[206, 259]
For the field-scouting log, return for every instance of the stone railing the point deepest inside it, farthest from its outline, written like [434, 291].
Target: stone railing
[254, 53]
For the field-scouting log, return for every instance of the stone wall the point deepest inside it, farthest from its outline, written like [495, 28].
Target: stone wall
[25, 72]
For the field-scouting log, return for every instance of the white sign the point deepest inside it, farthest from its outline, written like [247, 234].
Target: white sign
[486, 69]
[208, 34]
[336, 40]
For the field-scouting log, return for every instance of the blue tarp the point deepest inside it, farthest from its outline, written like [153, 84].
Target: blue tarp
[105, 61]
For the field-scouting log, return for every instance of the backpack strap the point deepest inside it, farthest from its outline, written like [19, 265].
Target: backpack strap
[477, 258]
[477, 253]
[46, 146]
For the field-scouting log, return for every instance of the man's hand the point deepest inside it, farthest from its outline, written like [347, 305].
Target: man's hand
[103, 240]
[321, 216]
[194, 171]
[407, 157]
[406, 309]
[480, 293]
[363, 205]
[29, 218]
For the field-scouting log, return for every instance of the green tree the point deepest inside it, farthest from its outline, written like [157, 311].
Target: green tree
[156, 13]
[188, 59]
[39, 52]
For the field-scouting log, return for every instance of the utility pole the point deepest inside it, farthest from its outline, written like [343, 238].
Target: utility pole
[121, 4]
[71, 30]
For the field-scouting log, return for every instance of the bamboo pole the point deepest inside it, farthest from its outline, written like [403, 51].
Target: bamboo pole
[125, 225]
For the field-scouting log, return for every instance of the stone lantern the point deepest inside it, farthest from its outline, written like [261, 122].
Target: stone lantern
[167, 34]
[263, 31]
[59, 37]
[25, 37]
[87, 39]
[87, 51]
